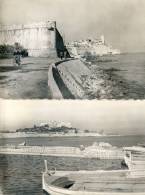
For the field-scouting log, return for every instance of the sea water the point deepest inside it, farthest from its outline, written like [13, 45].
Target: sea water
[131, 64]
[130, 68]
[22, 174]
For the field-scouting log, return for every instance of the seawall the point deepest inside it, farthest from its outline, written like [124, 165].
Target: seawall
[64, 151]
[55, 92]
[56, 83]
[18, 135]
[85, 81]
[68, 75]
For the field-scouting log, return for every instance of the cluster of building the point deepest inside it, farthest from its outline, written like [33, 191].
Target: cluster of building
[91, 47]
[52, 127]
[56, 124]
[43, 39]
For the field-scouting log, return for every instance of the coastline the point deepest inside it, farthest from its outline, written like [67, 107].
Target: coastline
[19, 135]
[105, 77]
[100, 78]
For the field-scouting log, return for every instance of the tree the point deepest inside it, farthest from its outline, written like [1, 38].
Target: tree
[86, 131]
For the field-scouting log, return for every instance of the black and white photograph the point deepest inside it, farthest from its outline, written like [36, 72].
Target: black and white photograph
[72, 97]
[72, 49]
[72, 147]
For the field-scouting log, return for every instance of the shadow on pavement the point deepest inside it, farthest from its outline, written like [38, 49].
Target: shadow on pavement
[8, 68]
[3, 77]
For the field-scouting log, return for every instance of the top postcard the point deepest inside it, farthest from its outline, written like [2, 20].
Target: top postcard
[72, 49]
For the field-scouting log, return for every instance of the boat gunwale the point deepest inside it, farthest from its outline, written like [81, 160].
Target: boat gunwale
[69, 191]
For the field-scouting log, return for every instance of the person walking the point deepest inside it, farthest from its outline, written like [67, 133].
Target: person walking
[65, 54]
[61, 55]
[17, 58]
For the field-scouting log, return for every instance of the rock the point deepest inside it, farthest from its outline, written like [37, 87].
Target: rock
[114, 83]
[125, 92]
[102, 92]
[115, 91]
[109, 91]
[120, 95]
[110, 97]
[107, 88]
[109, 82]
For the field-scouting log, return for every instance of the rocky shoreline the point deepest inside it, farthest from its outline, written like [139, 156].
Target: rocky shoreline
[105, 85]
[122, 80]
[78, 79]
[87, 81]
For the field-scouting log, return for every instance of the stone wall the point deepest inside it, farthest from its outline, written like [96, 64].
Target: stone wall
[39, 38]
[55, 92]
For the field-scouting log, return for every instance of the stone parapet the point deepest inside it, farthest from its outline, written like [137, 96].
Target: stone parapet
[32, 25]
[39, 38]
[55, 92]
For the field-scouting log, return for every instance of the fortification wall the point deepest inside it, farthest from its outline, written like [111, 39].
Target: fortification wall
[55, 92]
[39, 38]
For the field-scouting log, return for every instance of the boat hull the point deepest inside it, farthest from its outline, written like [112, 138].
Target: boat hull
[55, 190]
[137, 168]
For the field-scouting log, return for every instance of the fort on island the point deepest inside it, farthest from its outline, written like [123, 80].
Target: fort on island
[51, 129]
[39, 38]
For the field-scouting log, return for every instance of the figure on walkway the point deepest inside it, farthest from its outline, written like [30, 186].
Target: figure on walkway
[61, 55]
[65, 54]
[17, 58]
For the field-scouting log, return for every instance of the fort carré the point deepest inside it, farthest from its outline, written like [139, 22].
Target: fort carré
[39, 38]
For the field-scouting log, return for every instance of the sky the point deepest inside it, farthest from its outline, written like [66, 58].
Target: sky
[115, 117]
[121, 21]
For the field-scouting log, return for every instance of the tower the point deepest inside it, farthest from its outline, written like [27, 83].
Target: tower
[103, 39]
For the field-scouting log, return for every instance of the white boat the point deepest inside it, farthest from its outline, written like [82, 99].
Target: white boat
[141, 144]
[117, 182]
[136, 164]
[135, 149]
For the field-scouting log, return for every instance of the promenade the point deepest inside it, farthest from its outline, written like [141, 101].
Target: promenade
[30, 81]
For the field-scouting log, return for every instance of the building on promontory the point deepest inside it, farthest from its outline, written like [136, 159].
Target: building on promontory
[89, 47]
[39, 38]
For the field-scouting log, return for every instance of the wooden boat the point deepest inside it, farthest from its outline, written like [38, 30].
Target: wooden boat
[135, 149]
[136, 163]
[117, 182]
[141, 144]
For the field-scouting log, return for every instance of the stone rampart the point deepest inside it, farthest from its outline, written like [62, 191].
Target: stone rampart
[39, 38]
[55, 92]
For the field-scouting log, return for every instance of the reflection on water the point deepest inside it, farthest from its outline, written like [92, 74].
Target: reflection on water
[21, 174]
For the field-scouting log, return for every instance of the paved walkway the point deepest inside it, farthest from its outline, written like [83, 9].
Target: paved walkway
[30, 81]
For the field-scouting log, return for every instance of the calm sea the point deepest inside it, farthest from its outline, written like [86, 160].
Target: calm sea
[132, 64]
[132, 70]
[21, 174]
